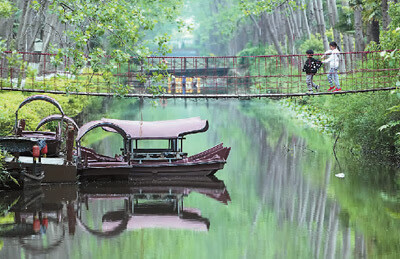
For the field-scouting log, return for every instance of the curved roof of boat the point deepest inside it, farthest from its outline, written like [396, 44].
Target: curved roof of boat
[103, 124]
[56, 117]
[41, 98]
[168, 129]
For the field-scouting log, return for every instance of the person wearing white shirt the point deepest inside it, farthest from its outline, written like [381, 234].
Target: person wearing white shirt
[333, 61]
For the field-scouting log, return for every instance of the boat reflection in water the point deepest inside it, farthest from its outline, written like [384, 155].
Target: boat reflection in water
[150, 203]
[41, 219]
[30, 216]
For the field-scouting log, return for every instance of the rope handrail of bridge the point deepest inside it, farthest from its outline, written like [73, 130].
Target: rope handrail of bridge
[215, 76]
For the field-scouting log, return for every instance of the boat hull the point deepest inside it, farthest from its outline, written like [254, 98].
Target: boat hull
[55, 170]
[119, 170]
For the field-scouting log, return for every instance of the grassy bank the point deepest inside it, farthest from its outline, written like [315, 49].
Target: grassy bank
[35, 111]
[366, 123]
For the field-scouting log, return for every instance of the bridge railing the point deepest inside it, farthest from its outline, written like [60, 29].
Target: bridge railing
[195, 75]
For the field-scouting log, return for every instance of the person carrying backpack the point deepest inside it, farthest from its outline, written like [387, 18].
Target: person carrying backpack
[311, 67]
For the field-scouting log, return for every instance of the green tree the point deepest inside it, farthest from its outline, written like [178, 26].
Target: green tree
[6, 9]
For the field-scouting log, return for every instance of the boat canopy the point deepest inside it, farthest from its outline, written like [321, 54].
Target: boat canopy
[56, 117]
[40, 98]
[103, 124]
[168, 129]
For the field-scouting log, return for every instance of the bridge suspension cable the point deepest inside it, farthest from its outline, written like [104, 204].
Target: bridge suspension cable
[196, 77]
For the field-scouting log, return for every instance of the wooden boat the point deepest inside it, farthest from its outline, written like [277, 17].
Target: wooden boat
[53, 139]
[26, 167]
[135, 160]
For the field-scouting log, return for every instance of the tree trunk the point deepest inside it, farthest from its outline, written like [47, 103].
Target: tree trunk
[313, 17]
[293, 20]
[257, 29]
[351, 43]
[290, 36]
[373, 31]
[321, 23]
[360, 44]
[279, 18]
[22, 28]
[39, 23]
[305, 21]
[272, 33]
[263, 26]
[6, 32]
[385, 15]
[333, 19]
[316, 14]
[52, 20]
[345, 46]
[299, 22]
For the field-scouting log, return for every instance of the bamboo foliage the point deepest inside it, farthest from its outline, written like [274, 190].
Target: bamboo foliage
[287, 24]
[280, 23]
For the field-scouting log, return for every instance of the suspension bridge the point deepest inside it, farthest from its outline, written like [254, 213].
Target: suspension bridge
[272, 76]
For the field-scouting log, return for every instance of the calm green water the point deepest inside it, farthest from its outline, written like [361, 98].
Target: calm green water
[277, 197]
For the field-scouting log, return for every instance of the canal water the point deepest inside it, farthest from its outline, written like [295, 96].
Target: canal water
[282, 194]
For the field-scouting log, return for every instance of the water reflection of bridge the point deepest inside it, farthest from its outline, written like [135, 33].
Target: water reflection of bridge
[215, 77]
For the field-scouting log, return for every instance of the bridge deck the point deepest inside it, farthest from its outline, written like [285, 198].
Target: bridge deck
[202, 96]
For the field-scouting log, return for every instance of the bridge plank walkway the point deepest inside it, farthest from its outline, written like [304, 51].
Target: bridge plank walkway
[201, 96]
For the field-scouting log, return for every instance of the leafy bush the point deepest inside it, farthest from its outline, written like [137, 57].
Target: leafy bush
[358, 118]
[35, 111]
[390, 39]
[314, 43]
[6, 8]
[5, 177]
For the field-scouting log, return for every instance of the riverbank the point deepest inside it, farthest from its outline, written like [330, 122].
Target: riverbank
[366, 124]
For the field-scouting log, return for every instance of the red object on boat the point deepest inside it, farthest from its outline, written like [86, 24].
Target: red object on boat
[45, 222]
[44, 150]
[35, 151]
[36, 225]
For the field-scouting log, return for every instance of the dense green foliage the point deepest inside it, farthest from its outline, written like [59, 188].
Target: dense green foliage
[6, 9]
[357, 118]
[105, 34]
[35, 111]
[391, 37]
[120, 26]
[314, 43]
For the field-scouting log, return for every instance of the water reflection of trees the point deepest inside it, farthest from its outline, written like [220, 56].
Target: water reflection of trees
[292, 194]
